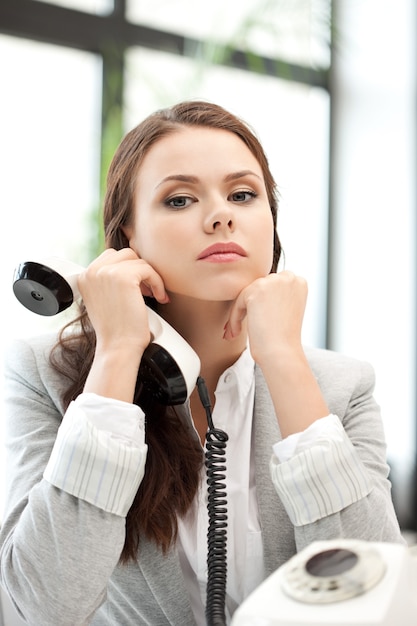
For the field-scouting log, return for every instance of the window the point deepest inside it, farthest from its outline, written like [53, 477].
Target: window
[296, 31]
[99, 7]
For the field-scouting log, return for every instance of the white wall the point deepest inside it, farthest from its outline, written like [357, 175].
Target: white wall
[374, 236]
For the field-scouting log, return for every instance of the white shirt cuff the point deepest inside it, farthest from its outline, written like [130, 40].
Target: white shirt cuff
[323, 476]
[326, 426]
[100, 452]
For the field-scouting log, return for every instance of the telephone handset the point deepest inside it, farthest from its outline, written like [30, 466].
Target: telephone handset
[50, 287]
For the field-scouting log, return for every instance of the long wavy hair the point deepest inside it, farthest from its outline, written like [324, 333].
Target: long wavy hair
[174, 456]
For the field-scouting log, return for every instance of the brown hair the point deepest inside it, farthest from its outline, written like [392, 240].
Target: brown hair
[174, 456]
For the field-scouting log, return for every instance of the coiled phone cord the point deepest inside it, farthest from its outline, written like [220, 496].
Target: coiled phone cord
[216, 441]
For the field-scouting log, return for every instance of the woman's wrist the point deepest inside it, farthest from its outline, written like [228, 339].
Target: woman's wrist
[114, 372]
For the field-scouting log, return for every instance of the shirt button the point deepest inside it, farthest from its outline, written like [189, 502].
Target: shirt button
[228, 378]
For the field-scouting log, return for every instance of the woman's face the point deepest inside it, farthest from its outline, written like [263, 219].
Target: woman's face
[201, 214]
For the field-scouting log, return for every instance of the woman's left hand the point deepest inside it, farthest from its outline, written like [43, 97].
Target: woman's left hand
[274, 309]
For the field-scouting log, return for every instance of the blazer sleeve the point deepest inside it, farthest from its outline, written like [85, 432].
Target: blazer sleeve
[57, 551]
[369, 514]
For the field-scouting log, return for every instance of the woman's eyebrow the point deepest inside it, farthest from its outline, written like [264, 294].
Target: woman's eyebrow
[180, 177]
[240, 174]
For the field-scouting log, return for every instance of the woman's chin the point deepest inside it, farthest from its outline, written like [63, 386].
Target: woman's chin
[219, 290]
[205, 296]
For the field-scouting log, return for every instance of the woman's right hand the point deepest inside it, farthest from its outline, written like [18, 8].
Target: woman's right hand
[112, 288]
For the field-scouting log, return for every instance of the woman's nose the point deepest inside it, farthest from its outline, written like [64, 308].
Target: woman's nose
[218, 224]
[220, 219]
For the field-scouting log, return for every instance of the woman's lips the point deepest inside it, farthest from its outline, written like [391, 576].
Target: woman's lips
[222, 253]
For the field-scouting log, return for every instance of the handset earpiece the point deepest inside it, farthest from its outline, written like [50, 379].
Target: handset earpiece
[169, 367]
[47, 287]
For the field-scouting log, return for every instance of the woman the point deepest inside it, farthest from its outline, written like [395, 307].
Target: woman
[106, 518]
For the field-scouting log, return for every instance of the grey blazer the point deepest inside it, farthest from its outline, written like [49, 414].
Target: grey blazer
[59, 555]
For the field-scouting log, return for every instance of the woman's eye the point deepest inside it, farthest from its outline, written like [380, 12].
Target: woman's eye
[178, 202]
[243, 196]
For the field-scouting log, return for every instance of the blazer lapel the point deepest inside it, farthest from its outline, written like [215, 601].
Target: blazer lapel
[277, 531]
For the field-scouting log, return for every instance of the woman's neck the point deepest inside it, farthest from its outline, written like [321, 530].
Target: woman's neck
[202, 326]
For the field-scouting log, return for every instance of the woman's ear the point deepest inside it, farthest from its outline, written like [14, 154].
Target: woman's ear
[127, 237]
[127, 232]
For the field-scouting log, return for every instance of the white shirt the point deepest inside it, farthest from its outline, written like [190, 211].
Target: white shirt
[100, 454]
[232, 413]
